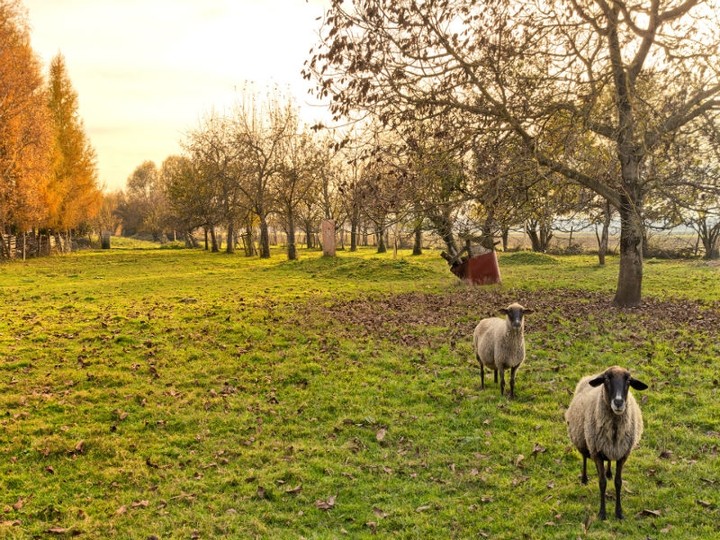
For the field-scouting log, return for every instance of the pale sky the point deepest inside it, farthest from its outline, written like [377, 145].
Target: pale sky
[147, 71]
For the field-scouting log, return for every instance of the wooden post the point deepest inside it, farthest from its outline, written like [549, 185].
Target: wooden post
[105, 240]
[328, 237]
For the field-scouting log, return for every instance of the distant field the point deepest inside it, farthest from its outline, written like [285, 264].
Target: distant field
[171, 393]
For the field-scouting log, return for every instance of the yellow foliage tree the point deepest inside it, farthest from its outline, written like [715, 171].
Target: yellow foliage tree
[75, 179]
[25, 127]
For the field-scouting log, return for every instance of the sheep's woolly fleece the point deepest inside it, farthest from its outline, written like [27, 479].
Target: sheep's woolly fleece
[403, 318]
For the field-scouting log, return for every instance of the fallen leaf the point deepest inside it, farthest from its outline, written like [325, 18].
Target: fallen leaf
[379, 513]
[120, 511]
[15, 523]
[422, 508]
[538, 449]
[704, 504]
[140, 504]
[666, 454]
[19, 504]
[652, 513]
[326, 505]
[62, 530]
[519, 460]
[380, 435]
[261, 492]
[294, 491]
[519, 480]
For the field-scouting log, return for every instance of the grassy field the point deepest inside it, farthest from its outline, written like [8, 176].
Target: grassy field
[164, 393]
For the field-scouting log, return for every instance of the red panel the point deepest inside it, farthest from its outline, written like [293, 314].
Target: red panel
[480, 269]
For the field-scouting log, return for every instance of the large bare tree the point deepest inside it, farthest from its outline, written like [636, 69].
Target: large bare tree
[530, 66]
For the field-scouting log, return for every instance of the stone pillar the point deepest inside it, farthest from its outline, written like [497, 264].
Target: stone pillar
[105, 240]
[328, 237]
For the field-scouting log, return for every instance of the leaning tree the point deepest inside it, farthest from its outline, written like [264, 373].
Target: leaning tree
[520, 64]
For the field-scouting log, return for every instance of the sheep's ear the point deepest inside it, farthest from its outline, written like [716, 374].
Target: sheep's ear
[504, 311]
[597, 381]
[637, 385]
[528, 310]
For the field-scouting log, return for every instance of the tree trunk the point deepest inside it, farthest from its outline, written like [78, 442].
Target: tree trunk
[444, 228]
[190, 241]
[532, 232]
[540, 235]
[417, 245]
[207, 241]
[380, 237]
[604, 236]
[291, 251]
[505, 237]
[230, 237]
[709, 236]
[629, 288]
[264, 238]
[213, 240]
[353, 234]
[307, 227]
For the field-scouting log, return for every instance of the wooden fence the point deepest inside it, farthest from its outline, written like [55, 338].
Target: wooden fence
[29, 245]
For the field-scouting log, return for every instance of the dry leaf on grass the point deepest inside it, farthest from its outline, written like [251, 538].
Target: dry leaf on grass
[327, 504]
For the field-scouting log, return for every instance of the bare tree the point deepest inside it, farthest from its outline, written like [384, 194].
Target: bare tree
[260, 131]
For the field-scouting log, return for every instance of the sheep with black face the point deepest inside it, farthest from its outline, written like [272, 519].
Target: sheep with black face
[499, 344]
[605, 423]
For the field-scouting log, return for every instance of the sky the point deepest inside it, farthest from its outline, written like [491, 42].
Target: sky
[148, 71]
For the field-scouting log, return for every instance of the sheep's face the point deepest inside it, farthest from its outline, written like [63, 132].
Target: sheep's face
[515, 314]
[616, 382]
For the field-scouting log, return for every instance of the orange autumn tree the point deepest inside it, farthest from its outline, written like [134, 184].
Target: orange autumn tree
[74, 184]
[25, 127]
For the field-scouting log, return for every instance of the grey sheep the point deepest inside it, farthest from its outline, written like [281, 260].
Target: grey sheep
[499, 344]
[605, 423]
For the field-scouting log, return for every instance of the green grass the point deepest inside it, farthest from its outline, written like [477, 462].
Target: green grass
[184, 394]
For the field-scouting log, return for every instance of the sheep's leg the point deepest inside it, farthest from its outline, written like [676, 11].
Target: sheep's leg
[482, 375]
[495, 375]
[513, 370]
[602, 482]
[618, 487]
[608, 472]
[584, 476]
[502, 381]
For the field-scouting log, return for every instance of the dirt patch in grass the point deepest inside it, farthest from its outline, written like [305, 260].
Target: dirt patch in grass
[399, 317]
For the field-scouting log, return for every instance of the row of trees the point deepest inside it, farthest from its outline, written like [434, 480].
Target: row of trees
[619, 98]
[470, 119]
[48, 175]
[260, 165]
